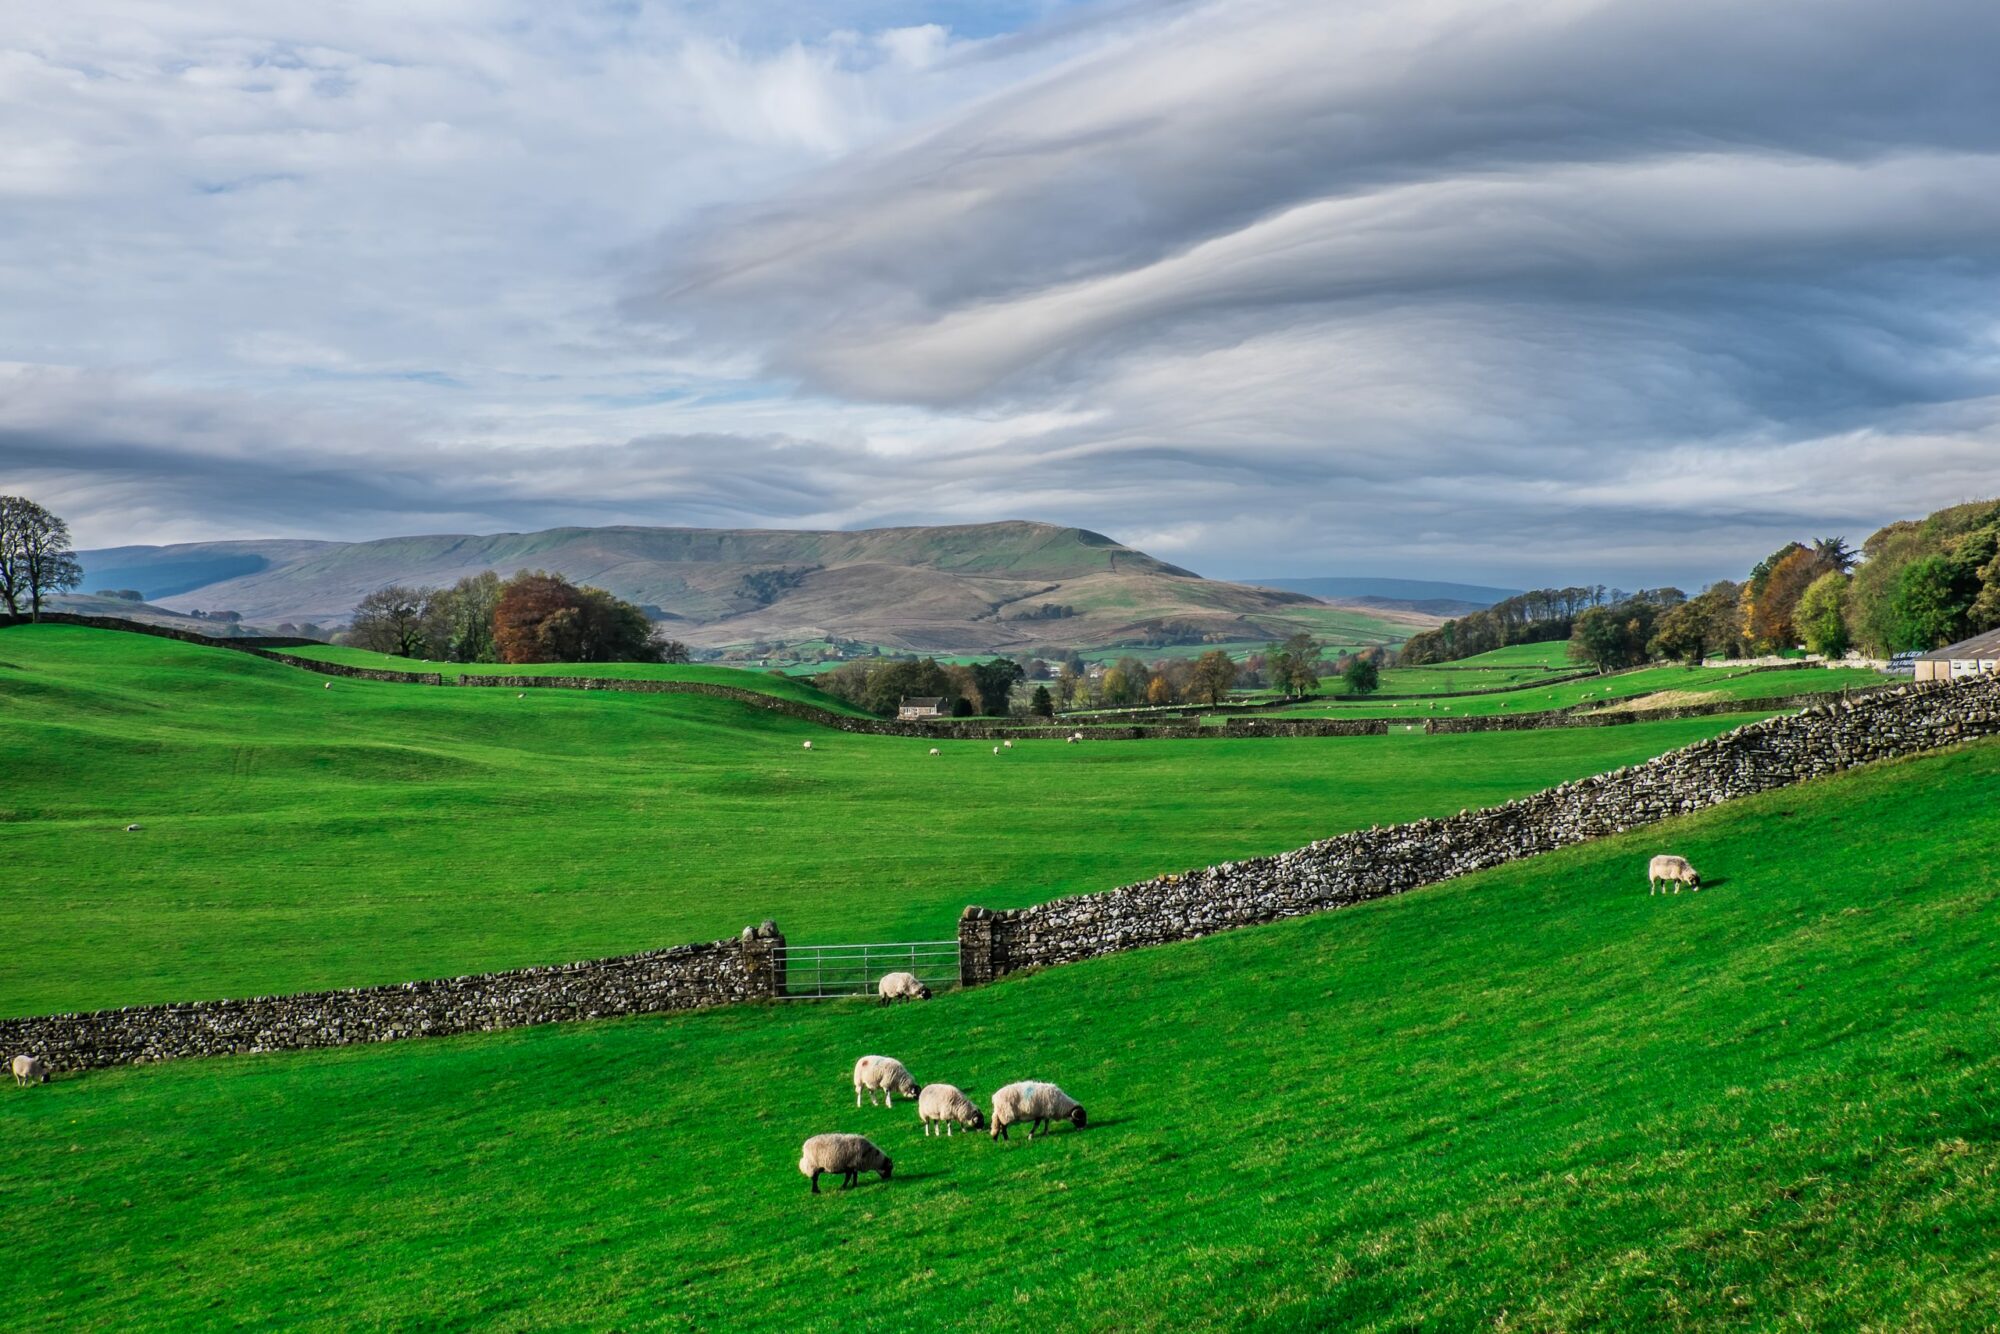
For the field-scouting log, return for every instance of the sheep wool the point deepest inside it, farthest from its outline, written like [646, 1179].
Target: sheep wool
[1035, 1103]
[945, 1108]
[845, 1156]
[1675, 871]
[901, 986]
[885, 1075]
[30, 1069]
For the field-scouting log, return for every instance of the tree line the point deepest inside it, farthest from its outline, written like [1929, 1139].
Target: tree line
[1541, 616]
[533, 617]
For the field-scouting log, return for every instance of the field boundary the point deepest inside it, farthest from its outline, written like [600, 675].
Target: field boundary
[1376, 863]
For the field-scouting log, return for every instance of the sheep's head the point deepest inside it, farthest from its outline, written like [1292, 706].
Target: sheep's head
[975, 1120]
[1694, 878]
[887, 1167]
[906, 1085]
[923, 991]
[1077, 1118]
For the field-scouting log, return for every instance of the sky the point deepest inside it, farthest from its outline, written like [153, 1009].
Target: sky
[1509, 291]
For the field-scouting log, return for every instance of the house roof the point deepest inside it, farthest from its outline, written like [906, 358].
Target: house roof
[1979, 646]
[928, 702]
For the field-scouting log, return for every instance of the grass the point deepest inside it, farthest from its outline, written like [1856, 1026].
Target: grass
[1530, 1099]
[740, 678]
[300, 837]
[1717, 682]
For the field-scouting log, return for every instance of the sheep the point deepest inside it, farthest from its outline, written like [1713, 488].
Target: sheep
[133, 828]
[845, 1155]
[1039, 1103]
[30, 1069]
[901, 986]
[1069, 741]
[808, 745]
[329, 685]
[946, 1108]
[885, 1075]
[936, 751]
[1666, 868]
[1008, 744]
[996, 750]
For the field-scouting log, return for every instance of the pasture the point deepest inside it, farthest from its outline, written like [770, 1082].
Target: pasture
[1533, 1098]
[298, 837]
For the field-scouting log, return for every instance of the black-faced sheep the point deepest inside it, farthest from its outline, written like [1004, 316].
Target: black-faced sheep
[1676, 871]
[901, 986]
[1036, 1103]
[946, 1108]
[885, 1075]
[845, 1156]
[30, 1070]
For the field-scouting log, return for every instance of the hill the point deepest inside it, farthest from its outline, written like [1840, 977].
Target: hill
[298, 837]
[1533, 1098]
[974, 588]
[1398, 591]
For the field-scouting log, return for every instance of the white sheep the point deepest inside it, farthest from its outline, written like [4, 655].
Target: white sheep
[329, 685]
[996, 750]
[133, 828]
[1666, 869]
[808, 745]
[846, 1156]
[30, 1070]
[1069, 741]
[935, 751]
[885, 1075]
[946, 1108]
[1038, 1103]
[1008, 744]
[901, 986]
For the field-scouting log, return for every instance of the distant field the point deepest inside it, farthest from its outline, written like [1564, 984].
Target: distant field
[1722, 683]
[298, 836]
[1533, 1099]
[740, 678]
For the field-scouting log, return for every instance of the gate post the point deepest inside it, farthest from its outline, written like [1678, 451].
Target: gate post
[975, 947]
[763, 949]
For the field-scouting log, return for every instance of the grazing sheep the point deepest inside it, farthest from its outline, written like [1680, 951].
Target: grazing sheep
[329, 685]
[885, 1075]
[1008, 744]
[133, 828]
[996, 750]
[30, 1069]
[1069, 741]
[901, 986]
[1664, 869]
[808, 745]
[934, 750]
[944, 1106]
[1039, 1103]
[846, 1156]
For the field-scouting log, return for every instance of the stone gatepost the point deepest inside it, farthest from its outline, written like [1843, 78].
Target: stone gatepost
[975, 947]
[763, 949]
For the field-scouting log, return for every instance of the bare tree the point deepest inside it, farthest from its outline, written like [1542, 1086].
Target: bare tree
[393, 620]
[35, 556]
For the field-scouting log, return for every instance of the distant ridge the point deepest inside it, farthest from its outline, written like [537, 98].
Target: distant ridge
[973, 588]
[1341, 589]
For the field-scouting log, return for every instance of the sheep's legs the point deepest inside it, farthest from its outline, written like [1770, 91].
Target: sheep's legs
[815, 1183]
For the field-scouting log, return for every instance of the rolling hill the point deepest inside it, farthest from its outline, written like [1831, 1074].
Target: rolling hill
[973, 588]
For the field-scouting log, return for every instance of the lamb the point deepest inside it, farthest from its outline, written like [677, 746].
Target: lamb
[1676, 870]
[885, 1075]
[1039, 1103]
[846, 1155]
[944, 1106]
[30, 1069]
[901, 986]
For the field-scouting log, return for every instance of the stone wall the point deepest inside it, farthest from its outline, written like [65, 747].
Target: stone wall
[1374, 863]
[687, 977]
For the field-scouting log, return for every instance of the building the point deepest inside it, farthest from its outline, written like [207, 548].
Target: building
[1968, 657]
[921, 708]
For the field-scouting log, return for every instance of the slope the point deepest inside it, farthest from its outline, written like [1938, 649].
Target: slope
[1530, 1099]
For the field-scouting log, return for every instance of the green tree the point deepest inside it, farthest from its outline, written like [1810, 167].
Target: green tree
[1932, 599]
[1214, 675]
[1362, 674]
[1115, 687]
[460, 618]
[1293, 665]
[1041, 705]
[995, 681]
[1822, 615]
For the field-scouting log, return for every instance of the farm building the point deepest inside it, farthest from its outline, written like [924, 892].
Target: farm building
[1968, 657]
[922, 708]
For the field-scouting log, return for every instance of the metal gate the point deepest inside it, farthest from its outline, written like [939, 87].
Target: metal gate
[817, 972]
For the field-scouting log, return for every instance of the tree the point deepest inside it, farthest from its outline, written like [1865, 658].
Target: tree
[1115, 688]
[1835, 553]
[393, 620]
[1822, 615]
[35, 557]
[674, 651]
[543, 617]
[1293, 665]
[1931, 602]
[1619, 635]
[1775, 600]
[1362, 674]
[461, 618]
[995, 680]
[1214, 675]
[1683, 633]
[1159, 691]
[1042, 706]
[1068, 682]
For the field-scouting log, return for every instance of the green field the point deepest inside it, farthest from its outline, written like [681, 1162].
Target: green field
[299, 837]
[763, 682]
[1531, 1099]
[1713, 684]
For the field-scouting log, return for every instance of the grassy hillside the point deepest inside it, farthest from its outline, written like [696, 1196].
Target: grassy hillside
[966, 588]
[297, 836]
[1531, 1099]
[737, 678]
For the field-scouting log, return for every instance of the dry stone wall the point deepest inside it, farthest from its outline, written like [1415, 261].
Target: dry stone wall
[1374, 863]
[687, 977]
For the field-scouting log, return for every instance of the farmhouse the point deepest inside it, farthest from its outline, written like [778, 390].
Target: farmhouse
[921, 708]
[1968, 657]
